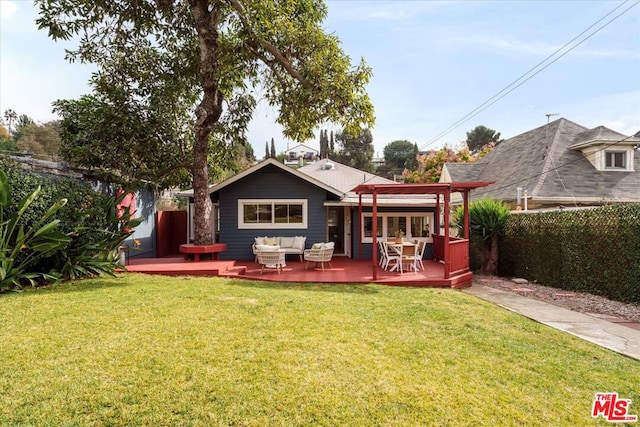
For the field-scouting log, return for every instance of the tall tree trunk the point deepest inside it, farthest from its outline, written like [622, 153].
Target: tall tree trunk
[208, 113]
[491, 266]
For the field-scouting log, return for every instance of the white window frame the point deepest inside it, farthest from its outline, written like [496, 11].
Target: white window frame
[612, 153]
[272, 225]
[628, 160]
[408, 215]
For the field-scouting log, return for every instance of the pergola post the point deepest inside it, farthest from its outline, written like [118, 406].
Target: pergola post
[361, 225]
[447, 249]
[374, 228]
[465, 196]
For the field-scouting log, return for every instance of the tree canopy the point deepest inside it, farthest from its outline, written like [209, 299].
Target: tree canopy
[480, 136]
[355, 151]
[400, 155]
[212, 61]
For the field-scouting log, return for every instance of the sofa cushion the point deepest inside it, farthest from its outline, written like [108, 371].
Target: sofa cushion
[286, 242]
[267, 248]
[328, 245]
[260, 240]
[271, 241]
[298, 242]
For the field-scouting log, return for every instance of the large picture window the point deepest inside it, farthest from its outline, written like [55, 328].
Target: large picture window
[415, 226]
[283, 213]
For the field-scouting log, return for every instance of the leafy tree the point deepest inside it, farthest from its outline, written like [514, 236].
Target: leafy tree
[249, 155]
[267, 153]
[430, 164]
[480, 136]
[272, 153]
[4, 133]
[23, 121]
[324, 144]
[10, 116]
[42, 141]
[332, 147]
[400, 155]
[124, 141]
[6, 144]
[211, 56]
[487, 220]
[355, 151]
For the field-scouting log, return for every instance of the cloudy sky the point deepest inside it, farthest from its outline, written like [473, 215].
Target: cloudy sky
[440, 67]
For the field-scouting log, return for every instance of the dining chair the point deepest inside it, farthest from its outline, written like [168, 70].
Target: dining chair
[394, 257]
[384, 260]
[420, 254]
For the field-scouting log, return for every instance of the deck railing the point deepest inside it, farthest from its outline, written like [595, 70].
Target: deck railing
[458, 253]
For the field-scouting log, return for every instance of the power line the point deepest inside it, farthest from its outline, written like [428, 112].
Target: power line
[519, 81]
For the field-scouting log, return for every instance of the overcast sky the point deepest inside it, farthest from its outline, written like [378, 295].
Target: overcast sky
[440, 67]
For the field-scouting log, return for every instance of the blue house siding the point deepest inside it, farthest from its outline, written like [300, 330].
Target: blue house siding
[146, 231]
[367, 247]
[269, 183]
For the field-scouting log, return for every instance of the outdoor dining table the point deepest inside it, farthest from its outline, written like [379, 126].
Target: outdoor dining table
[406, 249]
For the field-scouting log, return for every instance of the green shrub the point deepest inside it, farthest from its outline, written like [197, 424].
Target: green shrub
[88, 218]
[20, 244]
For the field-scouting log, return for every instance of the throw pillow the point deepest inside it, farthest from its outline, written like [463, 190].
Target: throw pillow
[329, 245]
[317, 246]
[260, 240]
[298, 242]
[286, 242]
[271, 241]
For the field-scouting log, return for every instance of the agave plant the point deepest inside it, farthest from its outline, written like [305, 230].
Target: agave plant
[19, 246]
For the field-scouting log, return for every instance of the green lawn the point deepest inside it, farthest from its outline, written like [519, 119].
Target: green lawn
[148, 350]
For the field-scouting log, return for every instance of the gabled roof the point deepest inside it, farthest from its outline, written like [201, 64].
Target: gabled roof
[602, 135]
[542, 162]
[302, 147]
[263, 164]
[341, 177]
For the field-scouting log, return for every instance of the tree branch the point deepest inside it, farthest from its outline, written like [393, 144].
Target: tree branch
[277, 55]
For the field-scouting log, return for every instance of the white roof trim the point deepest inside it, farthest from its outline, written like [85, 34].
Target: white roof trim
[262, 164]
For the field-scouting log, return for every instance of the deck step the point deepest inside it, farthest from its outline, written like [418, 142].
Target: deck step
[234, 271]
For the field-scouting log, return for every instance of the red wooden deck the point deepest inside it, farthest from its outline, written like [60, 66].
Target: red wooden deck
[345, 270]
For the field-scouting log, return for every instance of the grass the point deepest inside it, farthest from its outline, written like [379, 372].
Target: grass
[147, 350]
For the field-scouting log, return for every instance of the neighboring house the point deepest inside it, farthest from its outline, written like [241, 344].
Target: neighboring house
[301, 154]
[558, 164]
[145, 201]
[315, 201]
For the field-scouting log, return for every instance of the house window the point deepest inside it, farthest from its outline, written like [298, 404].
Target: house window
[284, 213]
[415, 226]
[615, 160]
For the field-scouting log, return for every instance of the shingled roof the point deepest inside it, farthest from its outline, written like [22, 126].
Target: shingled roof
[545, 162]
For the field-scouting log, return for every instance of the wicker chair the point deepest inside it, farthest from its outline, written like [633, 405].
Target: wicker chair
[319, 253]
[271, 259]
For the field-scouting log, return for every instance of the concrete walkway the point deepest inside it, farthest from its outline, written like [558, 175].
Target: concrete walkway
[618, 338]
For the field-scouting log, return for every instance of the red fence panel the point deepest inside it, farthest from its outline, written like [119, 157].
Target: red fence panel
[171, 232]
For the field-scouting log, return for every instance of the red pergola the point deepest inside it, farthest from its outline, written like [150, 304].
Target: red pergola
[454, 252]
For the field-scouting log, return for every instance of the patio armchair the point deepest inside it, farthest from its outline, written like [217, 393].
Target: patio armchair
[320, 253]
[271, 259]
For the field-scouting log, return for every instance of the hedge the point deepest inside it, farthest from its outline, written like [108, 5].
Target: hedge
[593, 250]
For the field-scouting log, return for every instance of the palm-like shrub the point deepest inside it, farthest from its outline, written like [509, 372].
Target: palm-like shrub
[487, 220]
[20, 245]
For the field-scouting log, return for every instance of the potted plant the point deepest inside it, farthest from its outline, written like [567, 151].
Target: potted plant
[399, 235]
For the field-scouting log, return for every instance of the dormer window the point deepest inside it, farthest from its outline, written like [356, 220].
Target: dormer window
[615, 160]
